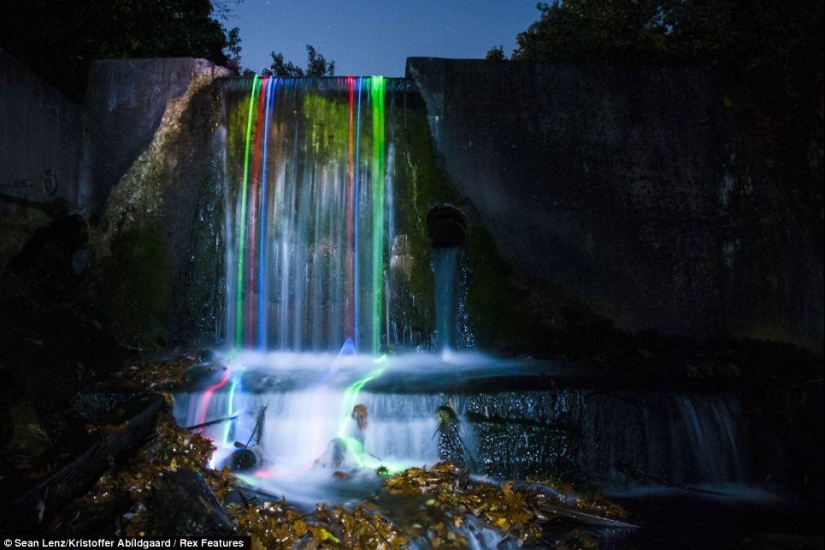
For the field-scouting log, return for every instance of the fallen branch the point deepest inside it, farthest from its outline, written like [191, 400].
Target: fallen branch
[550, 500]
[38, 505]
[585, 517]
[211, 423]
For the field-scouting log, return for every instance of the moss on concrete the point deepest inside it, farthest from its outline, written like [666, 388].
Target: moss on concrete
[421, 184]
[136, 288]
[509, 311]
[165, 214]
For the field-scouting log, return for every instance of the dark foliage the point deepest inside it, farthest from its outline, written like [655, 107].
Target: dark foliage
[496, 53]
[317, 65]
[732, 32]
[58, 39]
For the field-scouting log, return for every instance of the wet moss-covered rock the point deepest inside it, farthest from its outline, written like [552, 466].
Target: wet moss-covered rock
[165, 217]
[136, 288]
[420, 185]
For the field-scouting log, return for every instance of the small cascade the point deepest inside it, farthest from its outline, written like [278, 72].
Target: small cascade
[445, 269]
[675, 438]
[314, 419]
[614, 438]
[357, 412]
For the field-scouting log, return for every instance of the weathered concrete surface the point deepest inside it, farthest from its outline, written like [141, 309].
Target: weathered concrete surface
[161, 183]
[140, 159]
[630, 187]
[41, 139]
[44, 167]
[126, 100]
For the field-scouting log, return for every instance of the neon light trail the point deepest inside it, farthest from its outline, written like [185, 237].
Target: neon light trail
[349, 324]
[262, 289]
[378, 162]
[308, 236]
[253, 197]
[306, 246]
[242, 239]
[207, 398]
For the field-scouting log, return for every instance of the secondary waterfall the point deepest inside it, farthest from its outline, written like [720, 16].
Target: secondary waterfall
[445, 270]
[308, 212]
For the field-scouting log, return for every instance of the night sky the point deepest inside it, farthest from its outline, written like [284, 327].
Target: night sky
[375, 37]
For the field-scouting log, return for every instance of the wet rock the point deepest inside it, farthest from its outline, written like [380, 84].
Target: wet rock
[49, 260]
[450, 447]
[242, 459]
[181, 503]
[92, 404]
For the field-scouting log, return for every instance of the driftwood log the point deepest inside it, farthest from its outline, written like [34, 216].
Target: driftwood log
[33, 510]
[182, 504]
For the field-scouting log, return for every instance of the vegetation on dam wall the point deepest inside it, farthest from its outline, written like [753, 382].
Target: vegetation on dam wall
[161, 256]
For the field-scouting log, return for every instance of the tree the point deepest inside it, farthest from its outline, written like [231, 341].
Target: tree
[233, 48]
[58, 39]
[735, 33]
[594, 29]
[496, 53]
[317, 65]
[279, 67]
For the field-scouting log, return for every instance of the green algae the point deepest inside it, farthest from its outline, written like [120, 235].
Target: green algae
[136, 287]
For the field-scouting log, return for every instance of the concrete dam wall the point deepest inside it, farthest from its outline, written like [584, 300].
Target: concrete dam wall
[631, 187]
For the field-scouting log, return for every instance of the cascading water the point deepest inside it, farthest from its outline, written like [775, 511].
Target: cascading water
[445, 268]
[309, 231]
[306, 183]
[311, 246]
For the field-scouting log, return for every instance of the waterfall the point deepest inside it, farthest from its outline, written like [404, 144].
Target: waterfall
[308, 212]
[445, 269]
[310, 230]
[311, 250]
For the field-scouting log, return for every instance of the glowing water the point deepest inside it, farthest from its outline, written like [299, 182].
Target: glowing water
[561, 429]
[309, 223]
[307, 212]
[445, 268]
[309, 400]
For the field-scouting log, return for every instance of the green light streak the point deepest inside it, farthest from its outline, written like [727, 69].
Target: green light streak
[362, 457]
[365, 460]
[355, 447]
[230, 408]
[351, 395]
[377, 88]
[242, 238]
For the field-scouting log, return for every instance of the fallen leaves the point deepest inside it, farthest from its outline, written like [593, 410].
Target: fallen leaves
[275, 524]
[440, 506]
